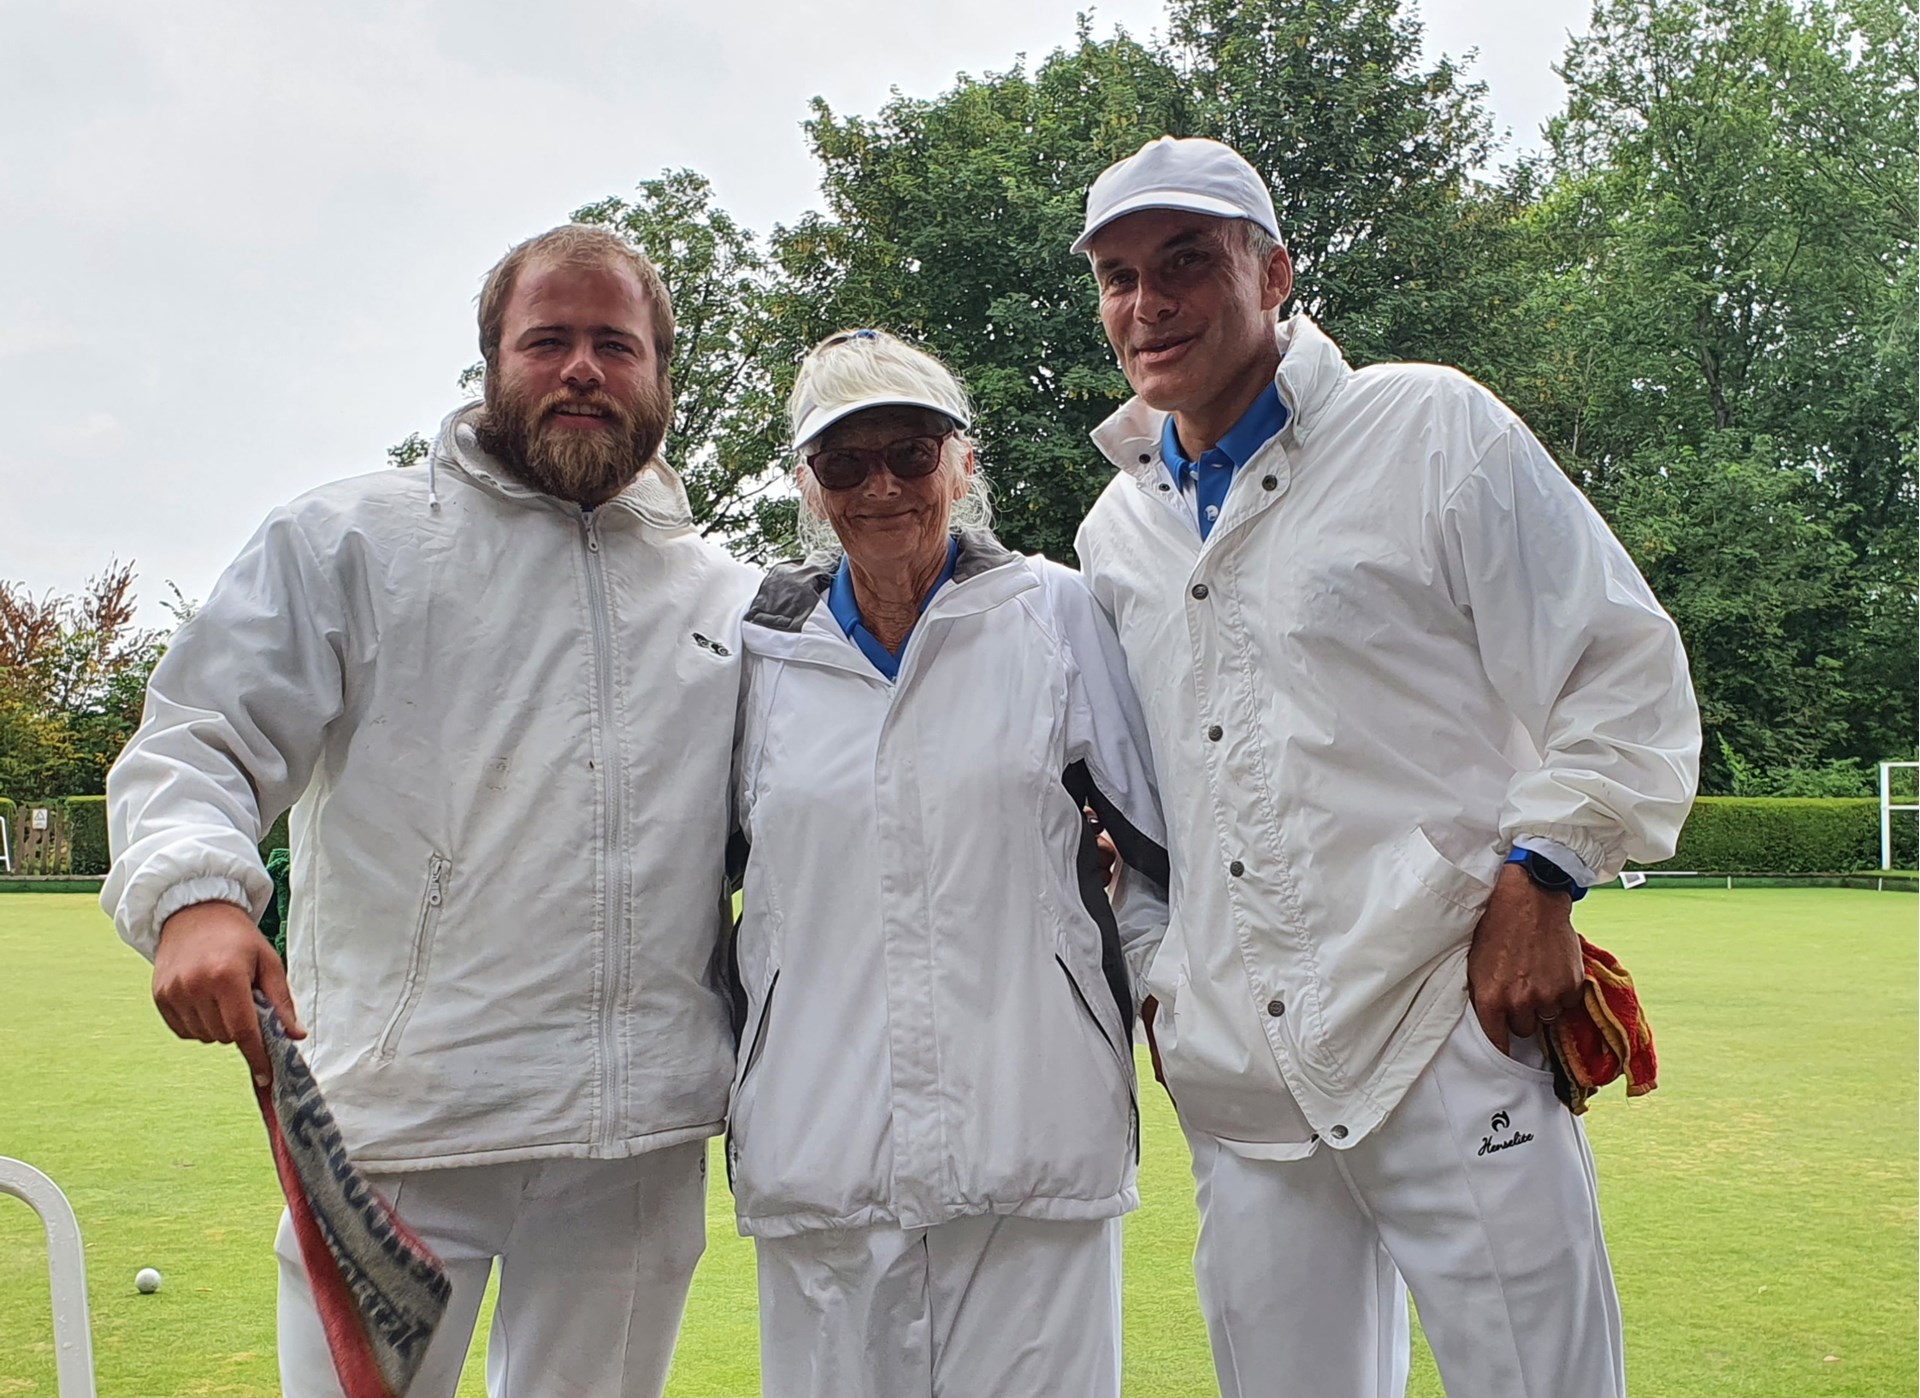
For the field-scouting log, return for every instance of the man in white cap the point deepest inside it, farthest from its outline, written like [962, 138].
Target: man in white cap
[1409, 698]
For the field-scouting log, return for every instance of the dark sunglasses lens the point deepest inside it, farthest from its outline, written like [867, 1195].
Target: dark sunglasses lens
[839, 470]
[912, 457]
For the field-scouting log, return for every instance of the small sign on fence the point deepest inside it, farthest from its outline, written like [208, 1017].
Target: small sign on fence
[42, 842]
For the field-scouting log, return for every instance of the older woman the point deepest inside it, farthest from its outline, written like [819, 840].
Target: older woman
[934, 1127]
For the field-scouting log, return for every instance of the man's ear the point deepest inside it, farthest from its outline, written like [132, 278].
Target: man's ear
[1278, 285]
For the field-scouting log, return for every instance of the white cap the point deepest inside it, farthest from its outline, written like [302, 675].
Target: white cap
[889, 374]
[1190, 173]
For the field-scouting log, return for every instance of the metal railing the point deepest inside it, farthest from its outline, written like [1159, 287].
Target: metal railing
[67, 1269]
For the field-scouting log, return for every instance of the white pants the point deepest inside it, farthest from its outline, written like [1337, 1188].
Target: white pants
[1479, 1190]
[988, 1307]
[595, 1258]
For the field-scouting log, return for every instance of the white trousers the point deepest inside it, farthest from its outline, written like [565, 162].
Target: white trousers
[595, 1259]
[988, 1307]
[1478, 1190]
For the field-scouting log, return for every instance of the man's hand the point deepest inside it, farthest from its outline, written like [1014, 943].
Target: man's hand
[210, 958]
[1150, 1007]
[1524, 966]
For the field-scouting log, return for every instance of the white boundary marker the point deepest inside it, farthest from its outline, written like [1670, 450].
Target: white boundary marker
[1887, 808]
[67, 1268]
[6, 850]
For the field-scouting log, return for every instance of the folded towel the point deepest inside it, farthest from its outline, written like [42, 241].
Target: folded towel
[1605, 1038]
[380, 1291]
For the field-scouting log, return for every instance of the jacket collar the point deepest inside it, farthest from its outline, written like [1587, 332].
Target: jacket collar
[655, 496]
[788, 605]
[1312, 371]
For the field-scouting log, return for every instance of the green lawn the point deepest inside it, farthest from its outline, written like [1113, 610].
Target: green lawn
[1760, 1206]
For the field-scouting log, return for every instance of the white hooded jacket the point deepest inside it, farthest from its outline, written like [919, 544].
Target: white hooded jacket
[504, 726]
[938, 999]
[1407, 643]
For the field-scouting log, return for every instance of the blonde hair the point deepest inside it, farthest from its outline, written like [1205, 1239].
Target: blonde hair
[858, 365]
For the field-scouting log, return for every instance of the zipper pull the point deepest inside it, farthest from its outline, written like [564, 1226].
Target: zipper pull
[436, 871]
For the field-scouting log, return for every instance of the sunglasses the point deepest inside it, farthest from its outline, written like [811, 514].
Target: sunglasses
[907, 458]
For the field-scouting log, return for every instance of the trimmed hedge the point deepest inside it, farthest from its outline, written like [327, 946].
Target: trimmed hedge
[90, 853]
[1787, 835]
[87, 829]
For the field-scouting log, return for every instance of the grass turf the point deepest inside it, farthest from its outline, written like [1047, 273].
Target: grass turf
[1760, 1207]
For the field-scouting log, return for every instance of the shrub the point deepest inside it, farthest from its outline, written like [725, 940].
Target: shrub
[275, 838]
[87, 832]
[1787, 835]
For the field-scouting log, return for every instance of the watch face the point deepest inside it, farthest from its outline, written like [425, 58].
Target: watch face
[1547, 874]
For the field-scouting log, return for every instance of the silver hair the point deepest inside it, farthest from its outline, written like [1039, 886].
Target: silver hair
[1258, 241]
[974, 510]
[862, 365]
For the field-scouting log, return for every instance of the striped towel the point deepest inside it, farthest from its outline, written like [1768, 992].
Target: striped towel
[380, 1291]
[1607, 1037]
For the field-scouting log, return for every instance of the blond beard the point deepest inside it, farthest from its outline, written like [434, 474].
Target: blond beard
[587, 468]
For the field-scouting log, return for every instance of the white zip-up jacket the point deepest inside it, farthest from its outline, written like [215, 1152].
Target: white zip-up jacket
[505, 727]
[938, 1001]
[1407, 643]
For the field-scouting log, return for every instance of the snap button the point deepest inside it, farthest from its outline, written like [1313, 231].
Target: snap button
[1236, 868]
[1269, 482]
[1165, 486]
[1275, 1008]
[1339, 1133]
[1213, 733]
[1200, 591]
[1145, 458]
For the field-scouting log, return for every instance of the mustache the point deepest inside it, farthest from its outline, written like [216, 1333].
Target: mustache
[569, 400]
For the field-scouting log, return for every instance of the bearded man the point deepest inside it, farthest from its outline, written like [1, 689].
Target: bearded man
[498, 696]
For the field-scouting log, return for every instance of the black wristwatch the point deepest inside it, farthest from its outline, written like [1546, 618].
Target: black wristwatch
[1548, 875]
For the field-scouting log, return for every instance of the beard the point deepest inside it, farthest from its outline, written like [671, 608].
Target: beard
[588, 466]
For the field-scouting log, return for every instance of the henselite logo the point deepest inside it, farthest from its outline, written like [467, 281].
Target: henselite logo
[1502, 1122]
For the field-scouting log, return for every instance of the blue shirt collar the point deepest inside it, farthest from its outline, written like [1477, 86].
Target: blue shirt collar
[1264, 420]
[846, 611]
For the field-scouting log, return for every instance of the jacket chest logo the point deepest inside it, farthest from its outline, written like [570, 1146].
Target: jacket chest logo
[710, 645]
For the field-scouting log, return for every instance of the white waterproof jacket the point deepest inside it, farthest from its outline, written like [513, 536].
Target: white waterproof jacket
[507, 727]
[938, 1006]
[1407, 643]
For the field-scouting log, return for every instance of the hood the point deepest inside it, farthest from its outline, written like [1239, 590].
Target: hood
[1312, 371]
[655, 496]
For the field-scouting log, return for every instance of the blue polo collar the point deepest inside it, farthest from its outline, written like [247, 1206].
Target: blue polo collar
[846, 611]
[1210, 476]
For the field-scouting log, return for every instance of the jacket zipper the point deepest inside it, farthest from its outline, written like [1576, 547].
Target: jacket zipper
[616, 901]
[754, 1047]
[1126, 1066]
[416, 983]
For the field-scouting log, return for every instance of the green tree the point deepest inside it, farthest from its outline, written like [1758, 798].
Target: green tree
[1713, 276]
[949, 219]
[73, 676]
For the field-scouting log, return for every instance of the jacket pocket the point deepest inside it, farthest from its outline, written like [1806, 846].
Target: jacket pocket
[418, 963]
[1440, 875]
[1087, 1007]
[759, 1041]
[1122, 1059]
[754, 1047]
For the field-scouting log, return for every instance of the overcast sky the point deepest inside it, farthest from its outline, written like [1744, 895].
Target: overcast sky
[243, 239]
